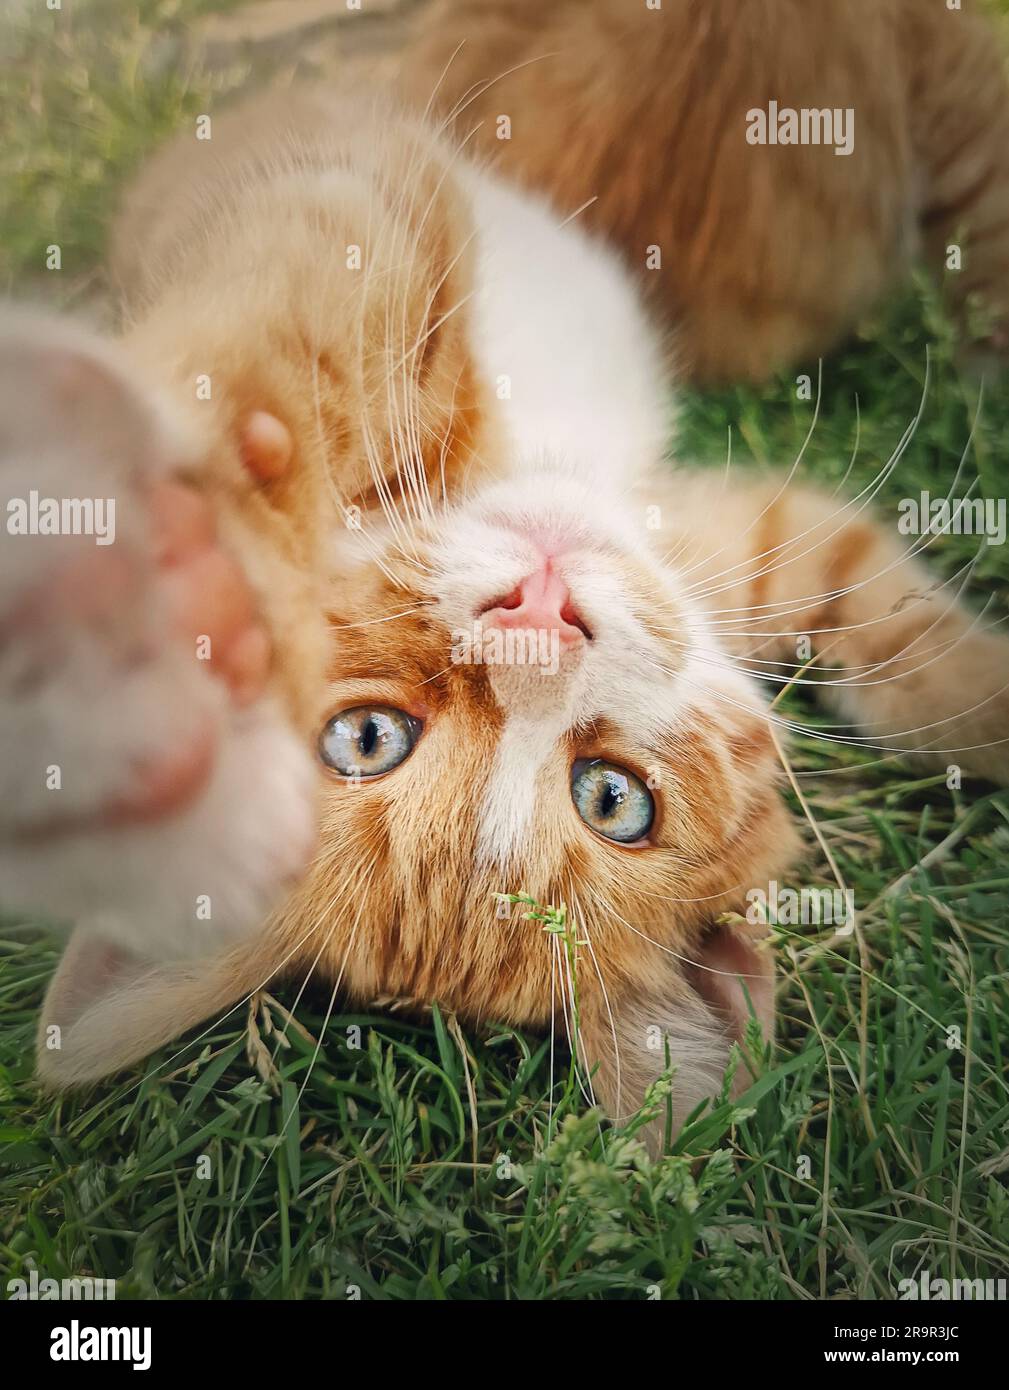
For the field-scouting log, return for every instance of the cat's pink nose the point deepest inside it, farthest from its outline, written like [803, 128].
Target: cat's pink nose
[542, 601]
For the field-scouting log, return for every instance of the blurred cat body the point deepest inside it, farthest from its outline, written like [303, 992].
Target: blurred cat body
[478, 408]
[759, 254]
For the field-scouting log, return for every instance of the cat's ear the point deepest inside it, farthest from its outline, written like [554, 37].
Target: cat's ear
[733, 975]
[106, 1008]
[690, 1012]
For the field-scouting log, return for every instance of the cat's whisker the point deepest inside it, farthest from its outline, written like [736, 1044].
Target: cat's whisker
[346, 892]
[439, 81]
[418, 491]
[858, 681]
[762, 612]
[966, 570]
[370, 622]
[388, 505]
[814, 824]
[377, 551]
[854, 452]
[407, 454]
[942, 649]
[570, 1014]
[437, 675]
[578, 211]
[581, 923]
[432, 328]
[756, 666]
[415, 429]
[708, 587]
[716, 618]
[553, 1039]
[406, 459]
[866, 496]
[854, 739]
[415, 487]
[791, 473]
[607, 907]
[444, 442]
[403, 460]
[689, 544]
[870, 490]
[376, 462]
[477, 89]
[790, 726]
[413, 355]
[885, 760]
[339, 500]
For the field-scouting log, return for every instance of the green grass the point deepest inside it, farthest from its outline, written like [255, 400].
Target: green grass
[421, 1161]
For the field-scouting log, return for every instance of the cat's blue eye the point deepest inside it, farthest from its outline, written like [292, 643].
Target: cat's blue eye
[368, 740]
[612, 800]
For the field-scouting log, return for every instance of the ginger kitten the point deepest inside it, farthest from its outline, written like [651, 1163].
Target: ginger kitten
[516, 645]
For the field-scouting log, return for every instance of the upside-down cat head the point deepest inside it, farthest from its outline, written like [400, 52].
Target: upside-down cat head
[629, 775]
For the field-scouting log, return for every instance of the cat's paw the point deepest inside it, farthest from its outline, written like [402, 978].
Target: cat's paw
[152, 787]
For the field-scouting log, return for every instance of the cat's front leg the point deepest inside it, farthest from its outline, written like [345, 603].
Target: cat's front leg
[805, 586]
[154, 789]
